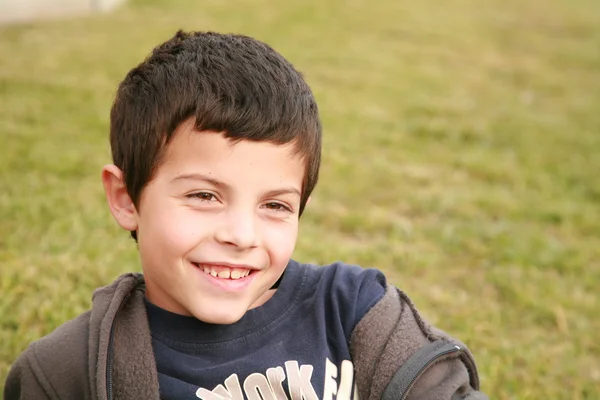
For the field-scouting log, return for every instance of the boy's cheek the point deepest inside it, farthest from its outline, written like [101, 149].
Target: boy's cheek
[182, 231]
[171, 229]
[282, 241]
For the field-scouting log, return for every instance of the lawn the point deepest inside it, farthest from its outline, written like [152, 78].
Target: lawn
[461, 156]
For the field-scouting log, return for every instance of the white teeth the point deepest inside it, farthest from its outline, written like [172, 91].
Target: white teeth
[213, 272]
[246, 273]
[236, 274]
[224, 274]
[206, 269]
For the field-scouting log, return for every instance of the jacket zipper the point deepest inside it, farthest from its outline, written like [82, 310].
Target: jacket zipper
[428, 362]
[109, 361]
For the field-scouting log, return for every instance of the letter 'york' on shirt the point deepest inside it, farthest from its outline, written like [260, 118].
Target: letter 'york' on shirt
[269, 386]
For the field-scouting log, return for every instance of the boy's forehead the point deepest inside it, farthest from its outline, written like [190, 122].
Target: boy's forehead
[190, 149]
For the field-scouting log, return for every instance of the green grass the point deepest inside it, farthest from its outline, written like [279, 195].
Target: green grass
[461, 156]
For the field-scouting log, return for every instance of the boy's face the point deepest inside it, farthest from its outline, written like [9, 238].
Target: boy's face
[218, 208]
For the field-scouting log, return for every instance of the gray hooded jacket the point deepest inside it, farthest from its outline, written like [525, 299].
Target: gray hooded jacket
[106, 354]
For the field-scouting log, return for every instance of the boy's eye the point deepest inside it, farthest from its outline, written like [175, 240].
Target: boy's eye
[277, 207]
[202, 196]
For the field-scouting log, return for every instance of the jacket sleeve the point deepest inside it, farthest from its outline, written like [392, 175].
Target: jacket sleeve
[24, 382]
[53, 367]
[388, 335]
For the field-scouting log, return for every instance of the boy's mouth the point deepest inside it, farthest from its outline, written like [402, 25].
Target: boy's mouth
[224, 272]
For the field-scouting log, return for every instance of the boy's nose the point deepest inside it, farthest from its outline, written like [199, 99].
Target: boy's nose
[238, 229]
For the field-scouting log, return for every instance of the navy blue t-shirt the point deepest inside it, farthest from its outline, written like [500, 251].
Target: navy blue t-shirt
[295, 346]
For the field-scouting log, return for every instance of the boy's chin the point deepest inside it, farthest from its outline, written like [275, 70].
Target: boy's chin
[220, 317]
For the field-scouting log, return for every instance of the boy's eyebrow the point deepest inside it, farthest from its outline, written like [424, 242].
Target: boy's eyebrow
[279, 192]
[215, 182]
[200, 177]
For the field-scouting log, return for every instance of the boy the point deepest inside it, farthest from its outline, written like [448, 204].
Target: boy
[216, 144]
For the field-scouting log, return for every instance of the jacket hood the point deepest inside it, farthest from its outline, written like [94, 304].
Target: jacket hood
[107, 304]
[120, 339]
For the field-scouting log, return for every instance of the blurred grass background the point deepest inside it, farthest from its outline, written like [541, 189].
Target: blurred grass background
[461, 156]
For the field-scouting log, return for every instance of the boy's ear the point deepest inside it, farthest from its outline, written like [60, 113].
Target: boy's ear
[119, 202]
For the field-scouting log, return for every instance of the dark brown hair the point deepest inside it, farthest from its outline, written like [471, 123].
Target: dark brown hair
[228, 83]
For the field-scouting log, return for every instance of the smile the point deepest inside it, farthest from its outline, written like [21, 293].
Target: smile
[224, 272]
